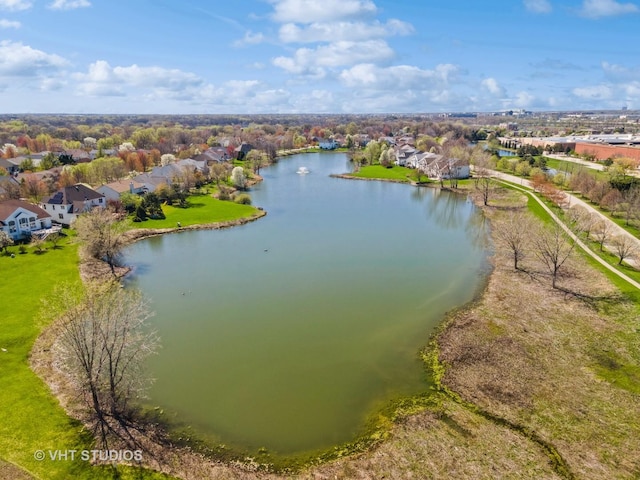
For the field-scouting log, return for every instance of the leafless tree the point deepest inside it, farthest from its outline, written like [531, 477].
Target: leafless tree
[102, 345]
[514, 233]
[625, 247]
[553, 247]
[102, 236]
[602, 231]
[483, 183]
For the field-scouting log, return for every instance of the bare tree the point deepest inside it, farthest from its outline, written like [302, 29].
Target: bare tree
[483, 183]
[553, 247]
[602, 232]
[102, 236]
[513, 233]
[102, 345]
[625, 247]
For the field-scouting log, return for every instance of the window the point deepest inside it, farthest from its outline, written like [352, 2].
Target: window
[32, 223]
[60, 216]
[12, 227]
[100, 200]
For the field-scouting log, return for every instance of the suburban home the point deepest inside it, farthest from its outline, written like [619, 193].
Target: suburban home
[11, 165]
[8, 185]
[447, 168]
[213, 155]
[113, 190]
[20, 219]
[327, 143]
[66, 204]
[242, 150]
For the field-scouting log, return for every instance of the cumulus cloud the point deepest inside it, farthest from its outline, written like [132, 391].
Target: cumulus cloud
[311, 11]
[69, 4]
[21, 60]
[4, 23]
[14, 5]
[606, 8]
[398, 77]
[491, 85]
[342, 31]
[249, 38]
[102, 79]
[538, 6]
[310, 61]
[595, 92]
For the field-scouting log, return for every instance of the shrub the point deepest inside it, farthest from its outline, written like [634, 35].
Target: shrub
[243, 199]
[22, 249]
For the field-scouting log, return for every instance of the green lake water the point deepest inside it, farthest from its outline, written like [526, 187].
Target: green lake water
[289, 332]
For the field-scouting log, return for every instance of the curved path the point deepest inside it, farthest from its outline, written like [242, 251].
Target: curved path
[574, 200]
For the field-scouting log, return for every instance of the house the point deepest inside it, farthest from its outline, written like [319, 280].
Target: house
[327, 143]
[150, 181]
[78, 155]
[242, 150]
[447, 168]
[9, 186]
[11, 165]
[113, 190]
[213, 155]
[20, 219]
[66, 204]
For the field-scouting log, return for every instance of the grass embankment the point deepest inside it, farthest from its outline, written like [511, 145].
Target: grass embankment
[399, 174]
[31, 418]
[201, 209]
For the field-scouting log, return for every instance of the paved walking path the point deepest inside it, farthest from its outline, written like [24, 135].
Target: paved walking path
[512, 179]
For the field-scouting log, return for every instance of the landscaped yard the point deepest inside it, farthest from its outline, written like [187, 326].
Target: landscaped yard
[402, 174]
[202, 209]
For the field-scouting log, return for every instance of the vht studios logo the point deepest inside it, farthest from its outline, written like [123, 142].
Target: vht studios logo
[89, 455]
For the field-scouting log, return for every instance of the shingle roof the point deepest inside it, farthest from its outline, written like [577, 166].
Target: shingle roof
[75, 193]
[7, 207]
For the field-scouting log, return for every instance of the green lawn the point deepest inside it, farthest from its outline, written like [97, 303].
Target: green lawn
[202, 209]
[402, 174]
[30, 417]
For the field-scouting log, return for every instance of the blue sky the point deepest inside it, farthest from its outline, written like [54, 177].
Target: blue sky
[333, 56]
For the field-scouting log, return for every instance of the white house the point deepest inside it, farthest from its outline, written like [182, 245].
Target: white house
[66, 204]
[21, 219]
[327, 143]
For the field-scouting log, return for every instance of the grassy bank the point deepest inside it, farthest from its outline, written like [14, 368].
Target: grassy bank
[30, 417]
[201, 209]
[400, 174]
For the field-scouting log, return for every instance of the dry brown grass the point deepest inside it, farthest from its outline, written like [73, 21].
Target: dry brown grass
[521, 366]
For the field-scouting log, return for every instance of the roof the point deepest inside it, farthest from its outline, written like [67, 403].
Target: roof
[122, 186]
[9, 206]
[69, 195]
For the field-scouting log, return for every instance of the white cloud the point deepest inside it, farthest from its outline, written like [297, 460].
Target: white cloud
[342, 31]
[14, 5]
[606, 8]
[538, 6]
[492, 86]
[313, 62]
[523, 99]
[4, 23]
[21, 60]
[102, 79]
[398, 77]
[249, 38]
[310, 11]
[596, 92]
[69, 4]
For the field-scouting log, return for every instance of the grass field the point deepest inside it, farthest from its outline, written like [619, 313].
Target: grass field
[202, 209]
[30, 417]
[401, 174]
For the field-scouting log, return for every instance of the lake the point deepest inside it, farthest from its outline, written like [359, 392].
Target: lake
[288, 333]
